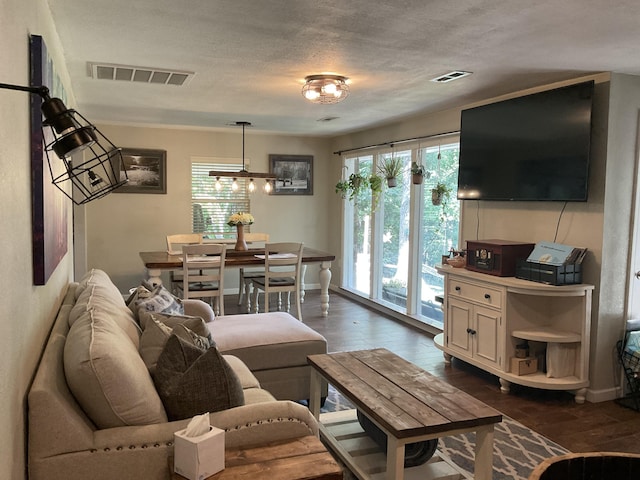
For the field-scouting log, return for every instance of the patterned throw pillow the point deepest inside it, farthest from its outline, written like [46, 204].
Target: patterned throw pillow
[191, 381]
[161, 300]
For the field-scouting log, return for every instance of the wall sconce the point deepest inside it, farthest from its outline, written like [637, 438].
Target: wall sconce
[66, 133]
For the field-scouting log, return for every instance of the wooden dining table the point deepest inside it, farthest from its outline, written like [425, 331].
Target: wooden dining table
[163, 261]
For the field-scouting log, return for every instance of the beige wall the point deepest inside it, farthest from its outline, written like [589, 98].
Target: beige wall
[25, 309]
[121, 225]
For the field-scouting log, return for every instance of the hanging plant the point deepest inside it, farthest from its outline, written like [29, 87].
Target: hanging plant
[418, 173]
[440, 194]
[390, 168]
[375, 183]
[342, 188]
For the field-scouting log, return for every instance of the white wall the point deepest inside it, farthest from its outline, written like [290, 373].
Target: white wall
[119, 226]
[25, 309]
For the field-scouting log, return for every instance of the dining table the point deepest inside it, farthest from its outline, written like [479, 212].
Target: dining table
[163, 261]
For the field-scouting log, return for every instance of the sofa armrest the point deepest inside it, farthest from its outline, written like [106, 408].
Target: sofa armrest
[245, 425]
[198, 308]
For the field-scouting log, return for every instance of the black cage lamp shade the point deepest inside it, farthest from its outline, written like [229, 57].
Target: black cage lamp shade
[91, 161]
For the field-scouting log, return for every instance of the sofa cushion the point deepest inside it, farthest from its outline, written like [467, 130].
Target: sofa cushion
[99, 297]
[97, 276]
[267, 341]
[191, 381]
[157, 332]
[107, 376]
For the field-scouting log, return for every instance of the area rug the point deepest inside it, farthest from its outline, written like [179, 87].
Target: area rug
[517, 449]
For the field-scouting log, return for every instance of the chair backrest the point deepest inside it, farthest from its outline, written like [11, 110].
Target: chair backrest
[176, 241]
[256, 237]
[203, 264]
[282, 260]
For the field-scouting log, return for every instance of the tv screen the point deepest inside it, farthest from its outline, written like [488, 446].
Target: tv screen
[531, 148]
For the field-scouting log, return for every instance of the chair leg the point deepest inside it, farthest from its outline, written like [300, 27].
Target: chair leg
[247, 293]
[220, 301]
[298, 307]
[254, 301]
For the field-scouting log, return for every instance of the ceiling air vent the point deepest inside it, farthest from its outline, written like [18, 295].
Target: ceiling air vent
[451, 76]
[128, 73]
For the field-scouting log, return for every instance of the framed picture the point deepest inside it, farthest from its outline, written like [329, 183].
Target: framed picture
[146, 169]
[50, 207]
[294, 174]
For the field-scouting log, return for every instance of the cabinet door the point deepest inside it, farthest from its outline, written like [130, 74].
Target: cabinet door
[459, 318]
[487, 337]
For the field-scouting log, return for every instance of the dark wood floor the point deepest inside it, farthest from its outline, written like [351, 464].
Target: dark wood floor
[604, 426]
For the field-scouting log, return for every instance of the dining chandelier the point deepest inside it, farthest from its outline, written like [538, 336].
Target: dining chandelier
[325, 89]
[66, 133]
[244, 173]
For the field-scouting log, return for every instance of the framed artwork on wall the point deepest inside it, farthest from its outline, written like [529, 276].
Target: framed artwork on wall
[146, 169]
[294, 174]
[49, 206]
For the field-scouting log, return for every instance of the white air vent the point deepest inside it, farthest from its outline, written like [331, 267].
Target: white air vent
[451, 76]
[128, 73]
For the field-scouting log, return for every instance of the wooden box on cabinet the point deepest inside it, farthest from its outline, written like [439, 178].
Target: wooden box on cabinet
[524, 366]
[496, 257]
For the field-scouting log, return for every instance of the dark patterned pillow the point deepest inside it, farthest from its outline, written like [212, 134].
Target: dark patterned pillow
[192, 381]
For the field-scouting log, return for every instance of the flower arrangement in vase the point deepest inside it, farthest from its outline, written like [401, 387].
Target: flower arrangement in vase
[239, 220]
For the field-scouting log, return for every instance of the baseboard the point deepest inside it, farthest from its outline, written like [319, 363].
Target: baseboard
[604, 395]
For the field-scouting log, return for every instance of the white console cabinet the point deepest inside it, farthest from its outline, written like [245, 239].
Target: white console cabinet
[486, 316]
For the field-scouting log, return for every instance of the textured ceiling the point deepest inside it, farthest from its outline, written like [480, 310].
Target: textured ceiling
[250, 56]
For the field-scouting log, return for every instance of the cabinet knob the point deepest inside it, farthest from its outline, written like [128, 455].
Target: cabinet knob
[457, 288]
[471, 331]
[487, 296]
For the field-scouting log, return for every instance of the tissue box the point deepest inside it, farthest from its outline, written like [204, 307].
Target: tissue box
[200, 457]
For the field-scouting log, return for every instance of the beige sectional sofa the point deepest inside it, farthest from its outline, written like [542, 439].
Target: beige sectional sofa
[94, 412]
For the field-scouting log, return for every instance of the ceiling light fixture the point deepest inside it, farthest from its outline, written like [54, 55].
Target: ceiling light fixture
[269, 177]
[66, 132]
[325, 89]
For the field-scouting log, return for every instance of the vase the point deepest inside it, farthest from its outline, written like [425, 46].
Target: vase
[241, 245]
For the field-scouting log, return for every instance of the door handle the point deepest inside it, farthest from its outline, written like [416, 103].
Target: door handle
[471, 331]
[638, 274]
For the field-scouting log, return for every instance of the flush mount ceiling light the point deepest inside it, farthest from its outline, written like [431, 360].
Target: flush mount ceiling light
[66, 133]
[325, 89]
[251, 186]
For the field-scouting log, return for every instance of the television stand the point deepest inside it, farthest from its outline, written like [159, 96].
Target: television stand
[485, 317]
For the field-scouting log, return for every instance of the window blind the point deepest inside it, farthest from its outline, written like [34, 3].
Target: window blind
[211, 209]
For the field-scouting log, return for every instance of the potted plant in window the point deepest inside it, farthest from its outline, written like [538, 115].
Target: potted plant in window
[440, 193]
[390, 168]
[418, 173]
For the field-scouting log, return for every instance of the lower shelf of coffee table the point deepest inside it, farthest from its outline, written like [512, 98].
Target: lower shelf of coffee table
[346, 438]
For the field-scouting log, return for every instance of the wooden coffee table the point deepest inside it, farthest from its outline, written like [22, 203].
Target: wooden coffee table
[299, 459]
[406, 402]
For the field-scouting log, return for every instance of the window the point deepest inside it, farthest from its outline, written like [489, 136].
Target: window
[390, 254]
[211, 209]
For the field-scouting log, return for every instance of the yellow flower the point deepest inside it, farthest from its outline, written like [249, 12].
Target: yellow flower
[240, 218]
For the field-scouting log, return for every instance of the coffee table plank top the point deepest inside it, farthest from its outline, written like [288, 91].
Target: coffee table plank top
[400, 396]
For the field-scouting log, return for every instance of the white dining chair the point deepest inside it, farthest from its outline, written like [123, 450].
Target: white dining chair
[282, 270]
[203, 273]
[247, 275]
[174, 247]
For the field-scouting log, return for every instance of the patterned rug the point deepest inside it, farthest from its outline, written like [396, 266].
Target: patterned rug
[517, 449]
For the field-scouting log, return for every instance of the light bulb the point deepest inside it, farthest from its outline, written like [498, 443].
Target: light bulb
[218, 184]
[234, 185]
[267, 187]
[252, 186]
[95, 180]
[329, 88]
[312, 94]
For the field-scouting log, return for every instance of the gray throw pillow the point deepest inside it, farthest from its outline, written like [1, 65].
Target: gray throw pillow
[191, 381]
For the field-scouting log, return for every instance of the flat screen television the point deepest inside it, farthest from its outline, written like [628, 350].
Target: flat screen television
[530, 148]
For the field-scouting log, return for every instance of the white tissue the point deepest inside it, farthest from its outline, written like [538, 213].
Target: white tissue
[199, 425]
